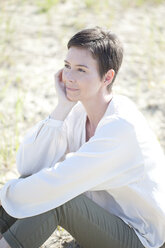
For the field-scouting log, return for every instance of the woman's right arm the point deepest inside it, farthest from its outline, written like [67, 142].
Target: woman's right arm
[46, 143]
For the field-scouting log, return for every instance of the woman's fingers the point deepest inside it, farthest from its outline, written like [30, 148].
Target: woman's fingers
[58, 75]
[58, 82]
[60, 88]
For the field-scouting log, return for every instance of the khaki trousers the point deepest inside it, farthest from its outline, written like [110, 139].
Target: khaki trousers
[86, 221]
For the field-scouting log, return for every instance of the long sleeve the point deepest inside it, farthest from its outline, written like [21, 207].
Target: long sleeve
[111, 158]
[42, 147]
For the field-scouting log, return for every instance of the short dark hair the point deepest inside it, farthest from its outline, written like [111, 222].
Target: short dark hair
[105, 47]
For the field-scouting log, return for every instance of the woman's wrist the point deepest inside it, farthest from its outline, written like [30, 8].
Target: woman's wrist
[60, 112]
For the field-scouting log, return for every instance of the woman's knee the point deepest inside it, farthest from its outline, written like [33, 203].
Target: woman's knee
[5, 220]
[74, 204]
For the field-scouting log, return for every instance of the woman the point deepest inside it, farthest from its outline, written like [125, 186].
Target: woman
[93, 166]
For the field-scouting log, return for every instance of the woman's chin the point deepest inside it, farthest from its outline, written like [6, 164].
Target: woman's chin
[72, 99]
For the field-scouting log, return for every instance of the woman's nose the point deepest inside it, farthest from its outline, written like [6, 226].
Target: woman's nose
[69, 76]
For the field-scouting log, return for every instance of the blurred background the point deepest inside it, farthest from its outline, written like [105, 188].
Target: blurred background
[33, 39]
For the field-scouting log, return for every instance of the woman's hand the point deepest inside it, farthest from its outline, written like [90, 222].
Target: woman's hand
[64, 105]
[61, 91]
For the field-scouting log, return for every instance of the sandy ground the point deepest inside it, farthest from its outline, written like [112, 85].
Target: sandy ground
[33, 46]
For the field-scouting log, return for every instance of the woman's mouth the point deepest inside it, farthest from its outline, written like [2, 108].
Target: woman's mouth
[71, 89]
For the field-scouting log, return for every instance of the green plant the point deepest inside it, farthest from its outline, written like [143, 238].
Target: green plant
[46, 5]
[6, 151]
[19, 119]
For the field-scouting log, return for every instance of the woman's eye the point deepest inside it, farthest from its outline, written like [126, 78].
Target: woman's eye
[67, 66]
[81, 70]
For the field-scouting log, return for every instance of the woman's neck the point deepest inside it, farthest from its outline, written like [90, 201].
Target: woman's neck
[95, 109]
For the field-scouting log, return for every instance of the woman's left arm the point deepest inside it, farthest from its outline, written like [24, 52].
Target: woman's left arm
[46, 142]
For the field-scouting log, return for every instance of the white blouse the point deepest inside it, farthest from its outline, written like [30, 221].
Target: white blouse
[121, 168]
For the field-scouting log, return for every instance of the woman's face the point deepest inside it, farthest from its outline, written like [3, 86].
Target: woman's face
[81, 76]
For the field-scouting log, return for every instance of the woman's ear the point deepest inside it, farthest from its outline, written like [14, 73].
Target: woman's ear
[109, 77]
